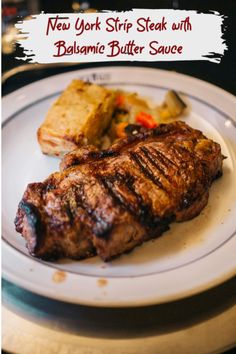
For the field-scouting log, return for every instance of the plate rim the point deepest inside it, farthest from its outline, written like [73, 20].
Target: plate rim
[211, 86]
[103, 301]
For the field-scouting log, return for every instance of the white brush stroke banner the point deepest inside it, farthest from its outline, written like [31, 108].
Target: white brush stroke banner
[137, 35]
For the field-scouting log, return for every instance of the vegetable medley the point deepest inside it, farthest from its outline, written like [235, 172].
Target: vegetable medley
[131, 109]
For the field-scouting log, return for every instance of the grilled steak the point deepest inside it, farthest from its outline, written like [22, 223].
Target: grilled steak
[107, 202]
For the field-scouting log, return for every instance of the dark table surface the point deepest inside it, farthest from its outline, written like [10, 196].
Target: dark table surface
[120, 323]
[221, 75]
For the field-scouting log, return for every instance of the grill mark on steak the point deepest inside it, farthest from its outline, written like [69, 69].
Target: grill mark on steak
[151, 158]
[167, 163]
[69, 213]
[110, 183]
[102, 154]
[34, 222]
[143, 210]
[183, 149]
[81, 209]
[140, 210]
[82, 202]
[171, 169]
[118, 199]
[139, 161]
[33, 216]
[100, 226]
[163, 159]
[181, 155]
[192, 195]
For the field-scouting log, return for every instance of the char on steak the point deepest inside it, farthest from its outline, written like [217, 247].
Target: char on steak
[107, 202]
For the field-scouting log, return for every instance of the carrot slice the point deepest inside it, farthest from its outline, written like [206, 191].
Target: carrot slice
[120, 100]
[120, 129]
[146, 120]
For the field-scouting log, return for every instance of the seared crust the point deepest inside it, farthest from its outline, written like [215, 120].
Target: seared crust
[107, 202]
[79, 116]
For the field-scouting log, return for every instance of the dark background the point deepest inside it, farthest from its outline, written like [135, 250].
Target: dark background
[223, 74]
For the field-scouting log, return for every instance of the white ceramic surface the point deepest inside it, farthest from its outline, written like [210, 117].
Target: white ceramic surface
[189, 258]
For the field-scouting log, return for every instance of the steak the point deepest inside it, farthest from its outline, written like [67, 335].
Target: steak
[107, 202]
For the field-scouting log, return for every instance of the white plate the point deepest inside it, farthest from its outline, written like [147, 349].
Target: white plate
[191, 257]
